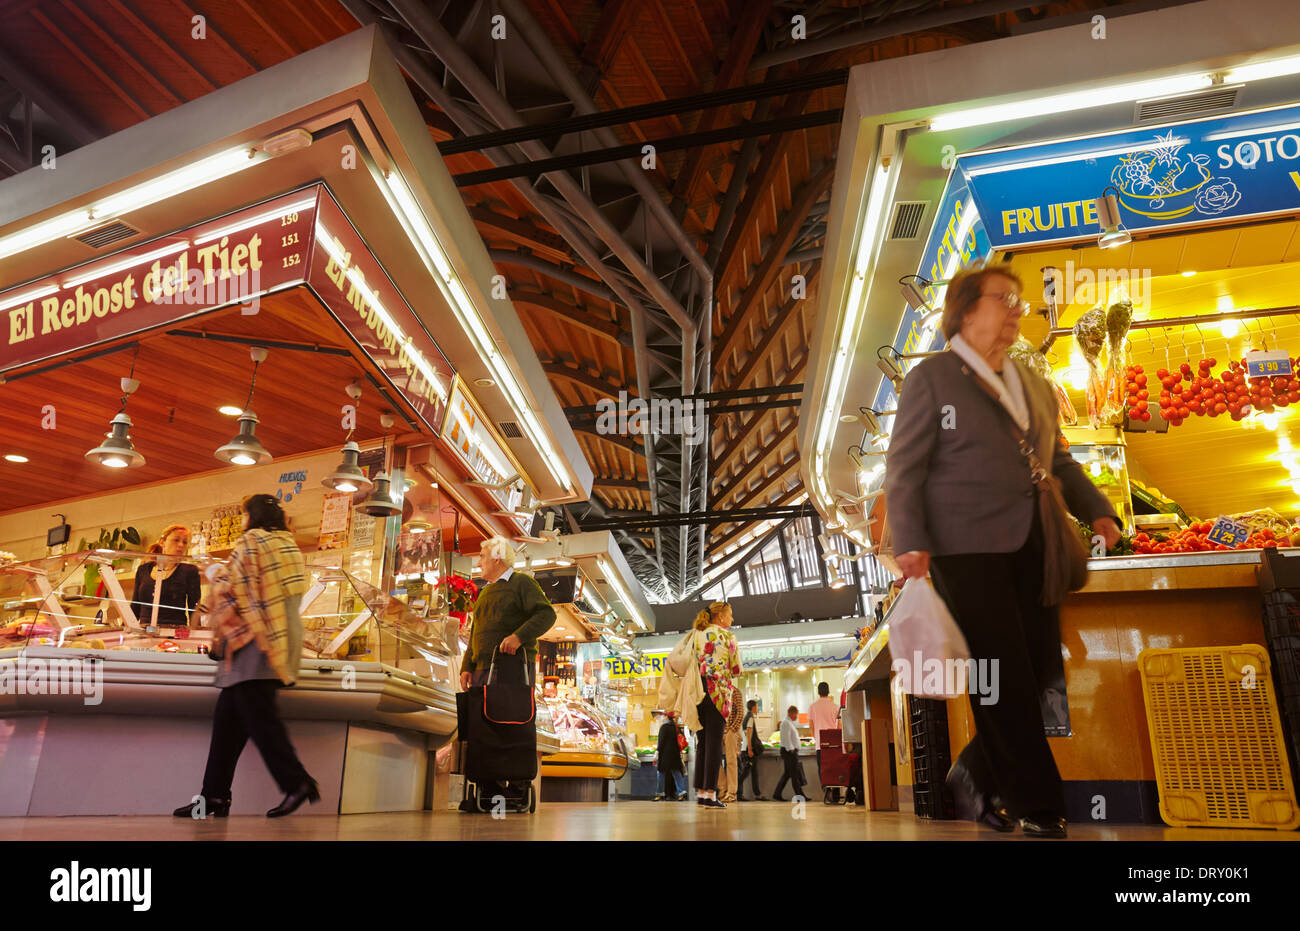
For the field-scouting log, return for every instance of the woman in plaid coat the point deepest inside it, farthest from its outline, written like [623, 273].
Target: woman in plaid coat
[258, 641]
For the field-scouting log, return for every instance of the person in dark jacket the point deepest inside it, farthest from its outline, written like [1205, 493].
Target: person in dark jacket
[753, 750]
[172, 584]
[963, 504]
[670, 759]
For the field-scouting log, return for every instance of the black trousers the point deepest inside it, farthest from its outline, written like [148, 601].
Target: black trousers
[708, 745]
[994, 598]
[790, 759]
[748, 767]
[244, 710]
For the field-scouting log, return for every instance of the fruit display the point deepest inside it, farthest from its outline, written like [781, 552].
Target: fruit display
[1195, 538]
[1184, 392]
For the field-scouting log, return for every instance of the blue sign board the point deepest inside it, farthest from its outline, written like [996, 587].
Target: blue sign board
[1228, 532]
[1201, 171]
[1267, 363]
[943, 256]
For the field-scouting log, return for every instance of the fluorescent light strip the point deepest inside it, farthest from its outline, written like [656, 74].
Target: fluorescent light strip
[867, 240]
[255, 221]
[19, 299]
[133, 198]
[614, 582]
[1062, 159]
[1278, 68]
[469, 318]
[128, 263]
[1065, 103]
[1238, 133]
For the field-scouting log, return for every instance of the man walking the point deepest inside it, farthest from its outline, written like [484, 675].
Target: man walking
[731, 746]
[789, 755]
[753, 750]
[824, 715]
[672, 774]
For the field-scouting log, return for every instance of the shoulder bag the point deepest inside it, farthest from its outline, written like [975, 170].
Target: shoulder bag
[1065, 559]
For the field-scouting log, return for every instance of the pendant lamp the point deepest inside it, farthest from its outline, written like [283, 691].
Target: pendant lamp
[246, 449]
[347, 476]
[117, 451]
[380, 503]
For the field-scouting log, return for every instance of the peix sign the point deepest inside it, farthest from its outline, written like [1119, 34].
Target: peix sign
[618, 667]
[234, 259]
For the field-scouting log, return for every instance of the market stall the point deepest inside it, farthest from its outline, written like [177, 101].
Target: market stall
[1150, 212]
[239, 265]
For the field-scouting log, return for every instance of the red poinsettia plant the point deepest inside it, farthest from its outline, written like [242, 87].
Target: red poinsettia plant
[461, 593]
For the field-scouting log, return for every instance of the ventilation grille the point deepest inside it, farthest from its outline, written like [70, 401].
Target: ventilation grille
[1165, 108]
[107, 235]
[510, 429]
[907, 219]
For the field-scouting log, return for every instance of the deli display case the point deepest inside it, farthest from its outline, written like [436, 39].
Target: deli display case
[593, 751]
[81, 678]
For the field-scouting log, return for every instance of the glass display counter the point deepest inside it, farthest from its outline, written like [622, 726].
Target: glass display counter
[591, 746]
[82, 677]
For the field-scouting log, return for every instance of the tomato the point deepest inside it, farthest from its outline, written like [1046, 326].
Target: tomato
[1141, 381]
[1162, 374]
[1143, 394]
[1219, 408]
[1144, 416]
[1212, 361]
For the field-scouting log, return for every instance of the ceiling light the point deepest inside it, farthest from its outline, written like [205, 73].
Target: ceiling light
[1187, 274]
[380, 503]
[117, 451]
[836, 579]
[133, 198]
[348, 476]
[1229, 328]
[245, 448]
[15, 300]
[230, 410]
[1277, 68]
[14, 457]
[1075, 100]
[801, 668]
[1112, 230]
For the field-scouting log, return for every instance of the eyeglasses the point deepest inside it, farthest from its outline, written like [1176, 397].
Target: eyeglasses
[1011, 299]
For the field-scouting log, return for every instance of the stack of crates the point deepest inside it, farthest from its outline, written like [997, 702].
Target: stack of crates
[930, 759]
[1279, 581]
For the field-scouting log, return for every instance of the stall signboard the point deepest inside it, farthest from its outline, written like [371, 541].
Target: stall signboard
[472, 441]
[957, 239]
[807, 653]
[358, 293]
[624, 667]
[233, 259]
[1201, 171]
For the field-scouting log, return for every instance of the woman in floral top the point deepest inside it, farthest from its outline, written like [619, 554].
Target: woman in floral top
[718, 659]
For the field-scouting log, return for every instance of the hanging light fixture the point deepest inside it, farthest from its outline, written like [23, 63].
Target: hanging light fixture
[1112, 230]
[381, 503]
[117, 451]
[245, 448]
[348, 477]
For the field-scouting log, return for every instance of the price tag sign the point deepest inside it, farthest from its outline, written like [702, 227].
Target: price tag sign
[1261, 363]
[1228, 532]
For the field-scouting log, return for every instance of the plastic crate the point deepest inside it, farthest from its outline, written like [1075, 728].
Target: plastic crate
[1216, 738]
[931, 759]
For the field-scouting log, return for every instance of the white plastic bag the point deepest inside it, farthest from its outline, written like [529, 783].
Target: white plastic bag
[929, 652]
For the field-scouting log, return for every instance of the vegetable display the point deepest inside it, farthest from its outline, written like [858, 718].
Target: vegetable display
[1090, 334]
[1195, 538]
[1184, 393]
[1119, 317]
[1023, 351]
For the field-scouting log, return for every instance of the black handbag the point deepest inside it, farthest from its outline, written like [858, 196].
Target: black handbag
[509, 704]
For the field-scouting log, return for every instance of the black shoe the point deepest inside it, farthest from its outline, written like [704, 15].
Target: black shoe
[1043, 825]
[714, 803]
[216, 807]
[307, 792]
[998, 820]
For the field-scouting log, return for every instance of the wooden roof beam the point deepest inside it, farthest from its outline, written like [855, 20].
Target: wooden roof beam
[773, 329]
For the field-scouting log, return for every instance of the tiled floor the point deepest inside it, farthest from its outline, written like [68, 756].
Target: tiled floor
[646, 821]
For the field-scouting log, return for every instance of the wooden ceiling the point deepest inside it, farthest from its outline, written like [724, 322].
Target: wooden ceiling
[103, 66]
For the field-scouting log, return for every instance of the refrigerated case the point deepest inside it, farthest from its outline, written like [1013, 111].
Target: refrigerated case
[82, 680]
[591, 745]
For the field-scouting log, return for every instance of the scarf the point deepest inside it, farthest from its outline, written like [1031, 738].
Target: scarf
[1009, 389]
